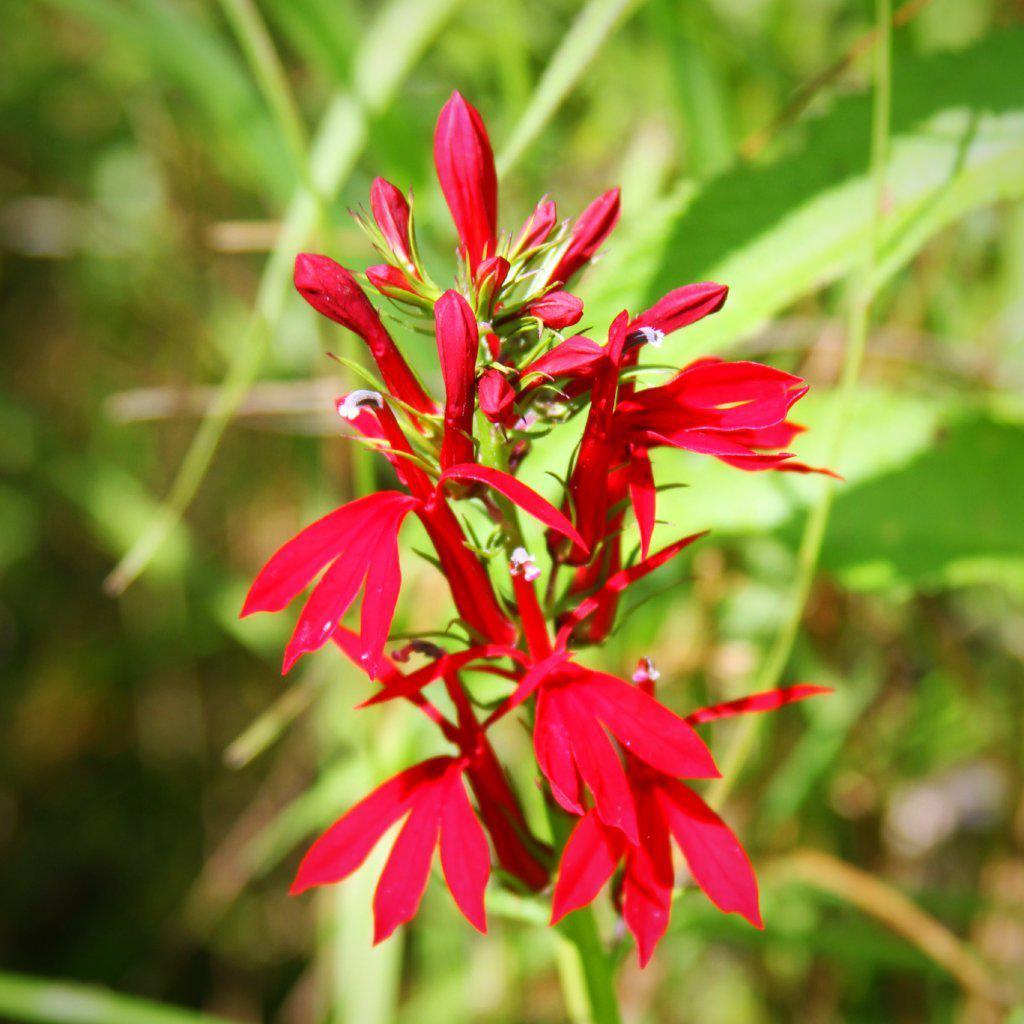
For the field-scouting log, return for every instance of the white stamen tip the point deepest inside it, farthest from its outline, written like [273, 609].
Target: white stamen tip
[645, 672]
[652, 336]
[522, 564]
[353, 403]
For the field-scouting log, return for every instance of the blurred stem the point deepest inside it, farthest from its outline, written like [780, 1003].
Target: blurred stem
[586, 972]
[862, 297]
[247, 24]
[401, 31]
[45, 1001]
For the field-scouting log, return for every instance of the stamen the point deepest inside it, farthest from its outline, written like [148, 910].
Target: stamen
[354, 402]
[645, 671]
[647, 336]
[522, 564]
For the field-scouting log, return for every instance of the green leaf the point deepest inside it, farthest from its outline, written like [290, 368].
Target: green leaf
[777, 232]
[951, 516]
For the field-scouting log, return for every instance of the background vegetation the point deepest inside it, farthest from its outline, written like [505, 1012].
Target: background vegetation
[162, 160]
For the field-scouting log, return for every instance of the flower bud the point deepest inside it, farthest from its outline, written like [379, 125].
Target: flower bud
[497, 398]
[394, 218]
[589, 232]
[458, 341]
[332, 291]
[557, 310]
[465, 169]
[537, 227]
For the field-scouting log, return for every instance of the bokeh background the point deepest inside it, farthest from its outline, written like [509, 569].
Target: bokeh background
[159, 778]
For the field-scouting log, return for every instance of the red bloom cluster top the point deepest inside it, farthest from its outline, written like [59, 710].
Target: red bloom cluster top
[614, 759]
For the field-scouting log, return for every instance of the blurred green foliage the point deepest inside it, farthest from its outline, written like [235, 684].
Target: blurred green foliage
[144, 179]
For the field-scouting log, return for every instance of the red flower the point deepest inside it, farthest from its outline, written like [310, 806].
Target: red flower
[359, 544]
[465, 168]
[665, 807]
[331, 290]
[557, 310]
[393, 217]
[432, 799]
[458, 340]
[589, 232]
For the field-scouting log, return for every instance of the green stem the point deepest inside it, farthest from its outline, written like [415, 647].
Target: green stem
[585, 971]
[863, 292]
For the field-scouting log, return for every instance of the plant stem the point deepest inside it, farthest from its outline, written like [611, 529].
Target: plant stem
[585, 970]
[863, 287]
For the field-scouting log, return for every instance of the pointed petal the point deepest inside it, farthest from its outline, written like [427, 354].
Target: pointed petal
[589, 859]
[643, 495]
[458, 340]
[599, 764]
[716, 860]
[574, 357]
[648, 879]
[292, 567]
[552, 745]
[645, 727]
[404, 878]
[517, 492]
[329, 601]
[465, 857]
[618, 582]
[348, 842]
[683, 306]
[767, 701]
[383, 582]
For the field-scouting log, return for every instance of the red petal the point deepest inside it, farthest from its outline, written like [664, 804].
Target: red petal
[552, 745]
[618, 582]
[683, 306]
[573, 357]
[716, 860]
[497, 398]
[598, 763]
[404, 878]
[643, 495]
[465, 857]
[383, 582]
[589, 859]
[465, 169]
[329, 601]
[348, 842]
[517, 492]
[458, 339]
[292, 567]
[767, 701]
[648, 879]
[645, 727]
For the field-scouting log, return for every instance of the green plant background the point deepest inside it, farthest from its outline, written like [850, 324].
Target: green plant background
[161, 162]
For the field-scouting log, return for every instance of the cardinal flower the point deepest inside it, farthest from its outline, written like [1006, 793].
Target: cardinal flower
[431, 798]
[665, 807]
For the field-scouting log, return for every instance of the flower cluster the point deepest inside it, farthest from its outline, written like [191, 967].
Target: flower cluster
[614, 760]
